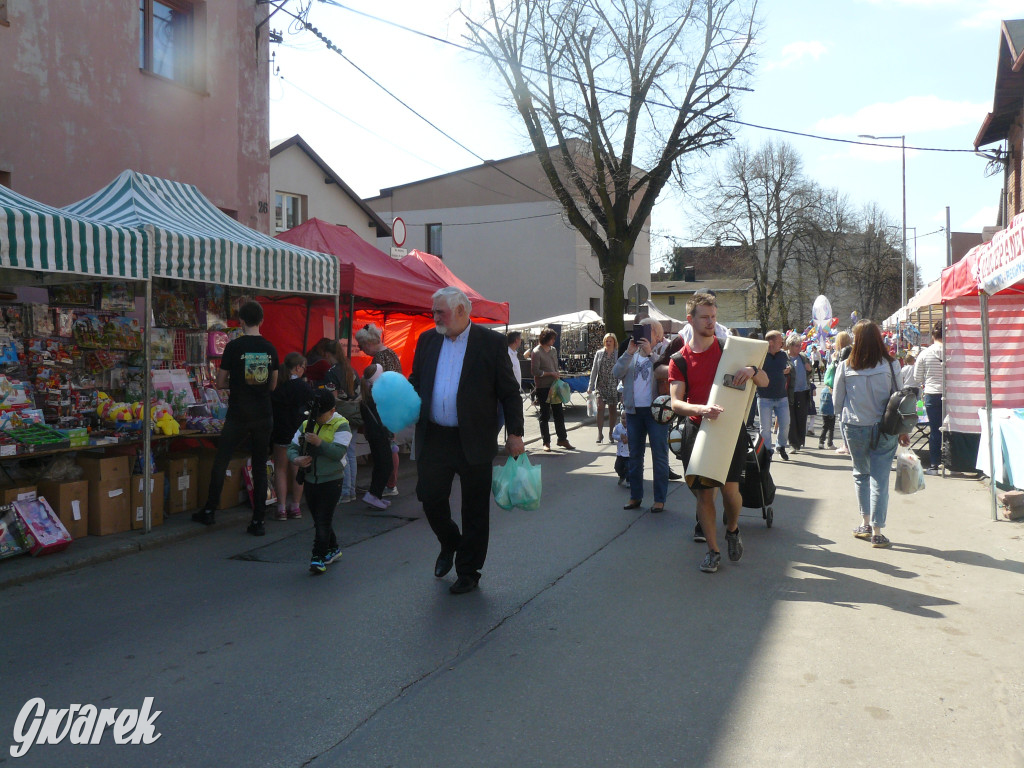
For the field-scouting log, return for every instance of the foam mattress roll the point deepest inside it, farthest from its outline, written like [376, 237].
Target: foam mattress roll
[716, 439]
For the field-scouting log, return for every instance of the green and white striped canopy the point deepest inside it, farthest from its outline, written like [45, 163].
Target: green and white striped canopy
[193, 240]
[36, 237]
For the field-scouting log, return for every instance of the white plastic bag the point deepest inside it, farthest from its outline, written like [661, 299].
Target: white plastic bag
[909, 473]
[592, 405]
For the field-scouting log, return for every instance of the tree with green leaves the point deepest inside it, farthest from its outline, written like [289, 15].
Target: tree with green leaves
[616, 96]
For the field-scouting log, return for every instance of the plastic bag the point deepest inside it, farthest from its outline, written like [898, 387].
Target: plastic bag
[592, 405]
[559, 393]
[517, 484]
[501, 480]
[909, 473]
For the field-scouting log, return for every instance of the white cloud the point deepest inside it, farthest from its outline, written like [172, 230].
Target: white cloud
[795, 52]
[913, 115]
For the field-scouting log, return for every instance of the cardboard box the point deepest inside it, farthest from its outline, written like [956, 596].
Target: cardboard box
[182, 472]
[156, 490]
[231, 494]
[108, 506]
[100, 466]
[70, 500]
[14, 493]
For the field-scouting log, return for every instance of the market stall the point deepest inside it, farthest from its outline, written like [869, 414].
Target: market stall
[203, 264]
[69, 312]
[984, 336]
[373, 288]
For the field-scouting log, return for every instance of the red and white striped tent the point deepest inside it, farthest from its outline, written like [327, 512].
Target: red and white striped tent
[983, 295]
[983, 299]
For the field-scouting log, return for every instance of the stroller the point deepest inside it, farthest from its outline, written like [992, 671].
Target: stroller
[757, 488]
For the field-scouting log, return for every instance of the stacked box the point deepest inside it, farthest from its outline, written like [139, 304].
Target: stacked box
[23, 492]
[70, 500]
[109, 492]
[156, 494]
[182, 472]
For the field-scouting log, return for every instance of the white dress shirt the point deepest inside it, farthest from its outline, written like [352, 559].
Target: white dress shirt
[443, 403]
[516, 367]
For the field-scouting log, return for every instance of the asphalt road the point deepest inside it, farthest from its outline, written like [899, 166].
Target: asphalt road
[593, 641]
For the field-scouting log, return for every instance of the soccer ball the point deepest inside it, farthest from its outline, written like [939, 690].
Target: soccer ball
[675, 441]
[661, 409]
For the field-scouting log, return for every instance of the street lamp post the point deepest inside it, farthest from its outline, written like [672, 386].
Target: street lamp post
[903, 260]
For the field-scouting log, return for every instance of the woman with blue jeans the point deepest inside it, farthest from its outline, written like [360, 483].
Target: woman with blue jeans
[636, 369]
[861, 391]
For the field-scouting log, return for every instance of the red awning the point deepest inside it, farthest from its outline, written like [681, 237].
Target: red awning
[1003, 254]
[375, 279]
[431, 268]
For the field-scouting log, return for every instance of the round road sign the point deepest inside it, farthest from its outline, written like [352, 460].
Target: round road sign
[398, 231]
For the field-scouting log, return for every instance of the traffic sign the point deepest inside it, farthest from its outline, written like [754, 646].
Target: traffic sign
[398, 253]
[398, 232]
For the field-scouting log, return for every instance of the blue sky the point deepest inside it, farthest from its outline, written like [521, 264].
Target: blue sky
[836, 68]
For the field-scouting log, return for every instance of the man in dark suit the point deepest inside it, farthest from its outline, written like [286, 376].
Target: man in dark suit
[463, 375]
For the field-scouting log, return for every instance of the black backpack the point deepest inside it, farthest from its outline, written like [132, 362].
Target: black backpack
[900, 416]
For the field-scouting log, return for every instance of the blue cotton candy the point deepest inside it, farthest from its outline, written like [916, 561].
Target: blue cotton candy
[397, 401]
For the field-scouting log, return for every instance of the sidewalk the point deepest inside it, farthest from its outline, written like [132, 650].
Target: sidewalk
[176, 528]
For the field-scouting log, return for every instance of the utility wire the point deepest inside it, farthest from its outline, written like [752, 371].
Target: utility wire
[612, 92]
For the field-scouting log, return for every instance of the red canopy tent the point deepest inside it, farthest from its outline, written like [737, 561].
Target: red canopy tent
[984, 333]
[432, 269]
[374, 288]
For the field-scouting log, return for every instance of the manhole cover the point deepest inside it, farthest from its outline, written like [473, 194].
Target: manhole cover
[350, 529]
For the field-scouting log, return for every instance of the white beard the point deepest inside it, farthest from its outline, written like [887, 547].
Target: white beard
[443, 330]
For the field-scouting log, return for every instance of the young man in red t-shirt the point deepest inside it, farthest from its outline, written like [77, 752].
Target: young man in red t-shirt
[690, 390]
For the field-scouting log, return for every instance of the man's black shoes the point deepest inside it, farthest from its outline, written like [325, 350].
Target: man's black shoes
[444, 563]
[783, 454]
[464, 584]
[256, 528]
[204, 516]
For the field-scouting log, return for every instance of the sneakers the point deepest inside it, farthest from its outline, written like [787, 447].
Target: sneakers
[317, 565]
[622, 481]
[281, 514]
[348, 498]
[862, 531]
[931, 471]
[256, 528]
[374, 503]
[332, 555]
[735, 544]
[294, 513]
[698, 534]
[204, 516]
[842, 451]
[392, 491]
[821, 446]
[831, 447]
[782, 452]
[711, 562]
[879, 541]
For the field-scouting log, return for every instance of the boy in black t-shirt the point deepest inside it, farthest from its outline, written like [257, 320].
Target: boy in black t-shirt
[249, 369]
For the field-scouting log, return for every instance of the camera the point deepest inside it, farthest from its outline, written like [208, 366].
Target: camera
[314, 407]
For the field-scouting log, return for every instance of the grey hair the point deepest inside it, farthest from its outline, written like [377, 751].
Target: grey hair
[453, 297]
[370, 333]
[793, 339]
